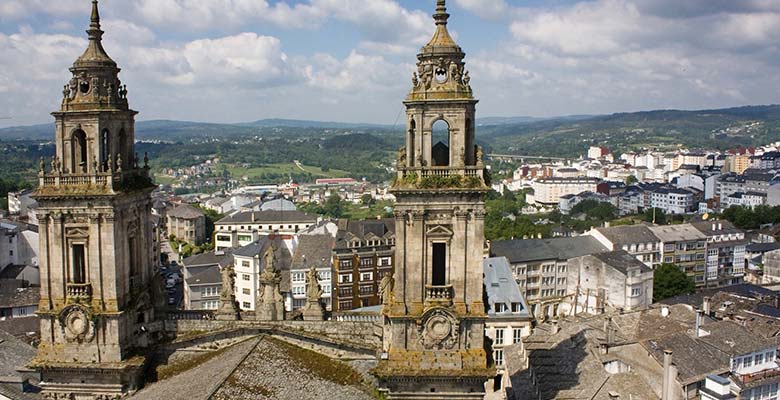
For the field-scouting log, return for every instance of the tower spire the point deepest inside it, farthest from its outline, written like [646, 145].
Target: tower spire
[441, 15]
[94, 31]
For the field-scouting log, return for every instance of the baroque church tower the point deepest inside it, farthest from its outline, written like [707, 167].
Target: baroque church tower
[434, 344]
[96, 239]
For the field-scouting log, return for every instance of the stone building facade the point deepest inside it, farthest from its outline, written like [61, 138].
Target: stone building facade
[98, 287]
[434, 310]
[188, 224]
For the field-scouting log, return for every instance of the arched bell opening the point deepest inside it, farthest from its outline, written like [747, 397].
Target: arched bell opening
[440, 144]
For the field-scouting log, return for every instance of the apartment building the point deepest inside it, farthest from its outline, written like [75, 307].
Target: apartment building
[726, 246]
[637, 240]
[317, 251]
[249, 262]
[244, 228]
[509, 319]
[363, 254]
[540, 268]
[188, 224]
[684, 246]
[548, 191]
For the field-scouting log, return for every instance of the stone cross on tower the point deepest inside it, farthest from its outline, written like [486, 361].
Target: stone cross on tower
[435, 315]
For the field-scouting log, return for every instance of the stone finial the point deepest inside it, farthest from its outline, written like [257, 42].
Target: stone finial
[94, 27]
[441, 15]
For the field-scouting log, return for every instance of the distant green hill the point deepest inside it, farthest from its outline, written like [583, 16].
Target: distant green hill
[663, 129]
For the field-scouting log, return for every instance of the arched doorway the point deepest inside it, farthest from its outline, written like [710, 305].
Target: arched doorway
[440, 144]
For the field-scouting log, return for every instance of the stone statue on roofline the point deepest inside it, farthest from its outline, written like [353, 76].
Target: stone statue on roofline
[270, 304]
[313, 311]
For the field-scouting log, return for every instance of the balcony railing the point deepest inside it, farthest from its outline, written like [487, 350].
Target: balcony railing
[757, 376]
[79, 291]
[439, 295]
[109, 180]
[425, 172]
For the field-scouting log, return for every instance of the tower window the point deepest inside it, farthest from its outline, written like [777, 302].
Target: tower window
[84, 87]
[439, 264]
[79, 271]
[440, 142]
[79, 151]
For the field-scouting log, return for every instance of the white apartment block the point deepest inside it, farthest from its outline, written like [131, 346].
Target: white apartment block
[548, 191]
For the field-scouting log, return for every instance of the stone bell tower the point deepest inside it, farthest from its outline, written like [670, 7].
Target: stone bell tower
[96, 245]
[434, 320]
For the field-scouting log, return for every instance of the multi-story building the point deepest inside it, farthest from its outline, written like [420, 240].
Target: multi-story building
[673, 201]
[188, 224]
[684, 246]
[20, 202]
[749, 182]
[317, 251]
[753, 373]
[548, 191]
[739, 199]
[249, 262]
[244, 228]
[202, 275]
[540, 268]
[509, 319]
[637, 240]
[614, 280]
[766, 161]
[363, 254]
[725, 252]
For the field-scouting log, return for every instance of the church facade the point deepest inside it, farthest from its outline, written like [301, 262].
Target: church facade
[434, 311]
[98, 296]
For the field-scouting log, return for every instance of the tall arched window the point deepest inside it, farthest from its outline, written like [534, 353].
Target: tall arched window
[120, 146]
[412, 156]
[440, 144]
[105, 149]
[79, 152]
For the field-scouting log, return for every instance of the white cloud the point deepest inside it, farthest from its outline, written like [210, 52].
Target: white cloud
[492, 9]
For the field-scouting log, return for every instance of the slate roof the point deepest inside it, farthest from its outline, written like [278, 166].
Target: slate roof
[208, 258]
[501, 287]
[722, 227]
[205, 275]
[694, 358]
[314, 250]
[677, 233]
[21, 297]
[268, 217]
[762, 247]
[186, 211]
[283, 257]
[17, 271]
[629, 234]
[621, 261]
[519, 251]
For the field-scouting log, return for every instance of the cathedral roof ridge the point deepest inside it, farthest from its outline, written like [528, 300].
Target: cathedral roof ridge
[95, 53]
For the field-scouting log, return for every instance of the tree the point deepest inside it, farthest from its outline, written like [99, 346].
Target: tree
[367, 200]
[655, 215]
[631, 179]
[333, 207]
[670, 281]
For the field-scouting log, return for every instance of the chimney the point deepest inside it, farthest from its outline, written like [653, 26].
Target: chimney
[714, 226]
[667, 375]
[555, 327]
[697, 327]
[720, 226]
[706, 306]
[777, 301]
[253, 216]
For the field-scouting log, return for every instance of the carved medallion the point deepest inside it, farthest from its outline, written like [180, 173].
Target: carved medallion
[77, 324]
[438, 329]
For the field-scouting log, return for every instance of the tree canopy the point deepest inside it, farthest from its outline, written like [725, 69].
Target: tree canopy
[670, 281]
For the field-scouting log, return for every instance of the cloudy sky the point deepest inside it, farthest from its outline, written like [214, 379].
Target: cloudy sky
[351, 60]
